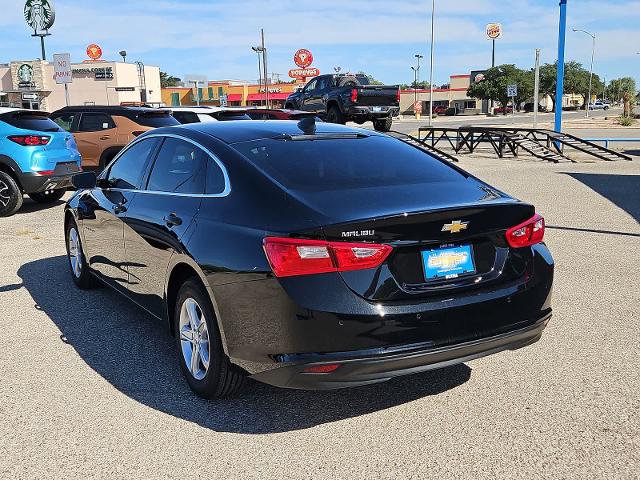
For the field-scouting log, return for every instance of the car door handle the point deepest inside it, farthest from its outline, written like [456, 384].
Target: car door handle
[172, 220]
[105, 137]
[119, 208]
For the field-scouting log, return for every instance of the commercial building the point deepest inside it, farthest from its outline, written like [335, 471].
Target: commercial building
[31, 84]
[236, 93]
[452, 96]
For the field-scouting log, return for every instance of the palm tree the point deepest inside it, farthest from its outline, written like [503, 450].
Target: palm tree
[628, 91]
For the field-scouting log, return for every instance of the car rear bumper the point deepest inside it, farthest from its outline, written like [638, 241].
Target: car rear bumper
[371, 112]
[373, 366]
[33, 182]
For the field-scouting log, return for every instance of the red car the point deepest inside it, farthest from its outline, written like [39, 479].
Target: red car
[498, 110]
[439, 109]
[277, 114]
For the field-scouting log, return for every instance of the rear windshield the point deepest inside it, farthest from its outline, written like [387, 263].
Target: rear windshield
[338, 164]
[157, 120]
[30, 121]
[226, 116]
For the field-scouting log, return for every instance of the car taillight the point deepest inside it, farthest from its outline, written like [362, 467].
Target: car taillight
[527, 233]
[44, 172]
[137, 133]
[398, 95]
[354, 95]
[292, 256]
[30, 140]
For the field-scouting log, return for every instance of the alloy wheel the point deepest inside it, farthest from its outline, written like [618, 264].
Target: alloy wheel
[194, 339]
[5, 195]
[75, 253]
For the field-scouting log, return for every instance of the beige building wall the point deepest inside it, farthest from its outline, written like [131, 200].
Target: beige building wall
[85, 89]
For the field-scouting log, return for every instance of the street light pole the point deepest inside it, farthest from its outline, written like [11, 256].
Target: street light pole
[258, 50]
[416, 79]
[433, 14]
[536, 91]
[593, 52]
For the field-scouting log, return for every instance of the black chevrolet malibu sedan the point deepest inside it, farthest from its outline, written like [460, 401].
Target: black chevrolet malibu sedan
[310, 256]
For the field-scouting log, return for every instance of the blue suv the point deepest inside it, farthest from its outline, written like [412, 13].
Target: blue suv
[37, 157]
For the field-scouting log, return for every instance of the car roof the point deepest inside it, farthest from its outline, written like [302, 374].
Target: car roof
[111, 108]
[4, 110]
[207, 109]
[236, 131]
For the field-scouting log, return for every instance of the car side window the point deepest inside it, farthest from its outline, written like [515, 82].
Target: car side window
[64, 120]
[322, 83]
[94, 122]
[311, 85]
[128, 169]
[179, 168]
[215, 177]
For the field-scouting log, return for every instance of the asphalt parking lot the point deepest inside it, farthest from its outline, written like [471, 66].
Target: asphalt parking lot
[89, 385]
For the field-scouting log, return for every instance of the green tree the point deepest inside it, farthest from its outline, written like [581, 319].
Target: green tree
[614, 90]
[372, 80]
[167, 80]
[496, 80]
[576, 80]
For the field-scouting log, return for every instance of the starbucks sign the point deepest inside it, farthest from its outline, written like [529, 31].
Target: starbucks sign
[39, 14]
[25, 76]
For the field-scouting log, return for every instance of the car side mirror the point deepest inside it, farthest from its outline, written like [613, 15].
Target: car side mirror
[84, 180]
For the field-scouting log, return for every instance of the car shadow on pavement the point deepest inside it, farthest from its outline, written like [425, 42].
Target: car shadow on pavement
[30, 206]
[135, 353]
[623, 190]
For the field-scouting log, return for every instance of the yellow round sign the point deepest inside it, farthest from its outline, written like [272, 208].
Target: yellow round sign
[494, 31]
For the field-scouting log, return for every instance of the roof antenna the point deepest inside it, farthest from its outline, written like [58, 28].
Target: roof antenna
[308, 125]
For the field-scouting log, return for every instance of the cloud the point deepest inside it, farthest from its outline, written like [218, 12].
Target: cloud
[379, 36]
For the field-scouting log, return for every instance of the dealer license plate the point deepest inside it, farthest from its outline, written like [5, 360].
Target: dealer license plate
[448, 262]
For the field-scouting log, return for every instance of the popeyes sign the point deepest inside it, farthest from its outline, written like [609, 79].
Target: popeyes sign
[303, 58]
[94, 52]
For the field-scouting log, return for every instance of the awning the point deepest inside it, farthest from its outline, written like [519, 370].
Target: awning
[252, 97]
[234, 97]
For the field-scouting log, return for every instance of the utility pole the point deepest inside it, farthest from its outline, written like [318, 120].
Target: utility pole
[433, 14]
[264, 65]
[536, 89]
[562, 38]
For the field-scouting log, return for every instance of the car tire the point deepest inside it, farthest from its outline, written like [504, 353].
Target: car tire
[209, 373]
[10, 195]
[383, 125]
[48, 196]
[334, 115]
[80, 272]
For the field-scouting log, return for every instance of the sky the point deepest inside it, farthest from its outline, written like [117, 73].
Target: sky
[380, 37]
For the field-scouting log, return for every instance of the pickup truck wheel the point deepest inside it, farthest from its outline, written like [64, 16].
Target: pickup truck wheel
[334, 115]
[48, 196]
[10, 195]
[383, 125]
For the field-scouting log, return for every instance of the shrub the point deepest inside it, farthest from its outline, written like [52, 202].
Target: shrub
[626, 121]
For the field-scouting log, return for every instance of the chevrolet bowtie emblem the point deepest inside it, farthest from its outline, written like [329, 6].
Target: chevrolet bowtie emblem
[455, 227]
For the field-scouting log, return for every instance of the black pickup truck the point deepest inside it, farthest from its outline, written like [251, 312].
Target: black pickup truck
[342, 98]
